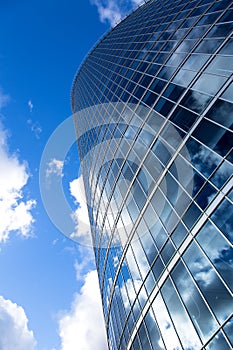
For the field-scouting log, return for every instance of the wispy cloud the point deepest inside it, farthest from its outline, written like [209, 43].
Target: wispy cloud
[4, 98]
[112, 11]
[15, 211]
[84, 262]
[35, 128]
[54, 167]
[14, 327]
[30, 105]
[83, 326]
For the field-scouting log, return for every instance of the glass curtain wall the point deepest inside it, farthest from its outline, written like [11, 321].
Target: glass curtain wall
[153, 111]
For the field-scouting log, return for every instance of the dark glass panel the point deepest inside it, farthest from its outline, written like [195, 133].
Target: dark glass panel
[202, 158]
[167, 252]
[146, 80]
[230, 156]
[166, 72]
[220, 30]
[220, 5]
[208, 19]
[153, 69]
[222, 174]
[149, 98]
[222, 113]
[206, 195]
[196, 33]
[191, 215]
[227, 17]
[223, 218]
[195, 101]
[208, 46]
[183, 118]
[163, 106]
[158, 268]
[198, 182]
[179, 234]
[214, 137]
[158, 86]
[173, 92]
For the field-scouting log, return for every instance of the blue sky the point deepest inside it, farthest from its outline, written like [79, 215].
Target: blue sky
[48, 284]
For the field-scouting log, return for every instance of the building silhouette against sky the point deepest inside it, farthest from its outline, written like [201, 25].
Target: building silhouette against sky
[153, 109]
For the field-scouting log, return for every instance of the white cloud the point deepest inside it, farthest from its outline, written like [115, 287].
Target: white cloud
[15, 212]
[83, 326]
[138, 2]
[55, 167]
[84, 263]
[80, 216]
[108, 11]
[35, 127]
[113, 10]
[30, 105]
[14, 332]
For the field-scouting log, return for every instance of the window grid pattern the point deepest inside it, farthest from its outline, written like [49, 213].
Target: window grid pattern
[162, 81]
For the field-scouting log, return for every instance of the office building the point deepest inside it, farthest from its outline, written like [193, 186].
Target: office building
[153, 110]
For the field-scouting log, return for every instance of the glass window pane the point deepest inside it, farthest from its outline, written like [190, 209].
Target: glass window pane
[222, 217]
[195, 100]
[213, 289]
[165, 324]
[228, 329]
[214, 136]
[222, 174]
[195, 62]
[184, 77]
[182, 322]
[219, 342]
[218, 251]
[220, 30]
[209, 84]
[222, 113]
[200, 315]
[143, 335]
[202, 158]
[153, 331]
[220, 65]
[183, 118]
[208, 46]
[179, 234]
[228, 93]
[205, 196]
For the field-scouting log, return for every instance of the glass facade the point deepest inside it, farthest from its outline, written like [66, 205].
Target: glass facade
[153, 111]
